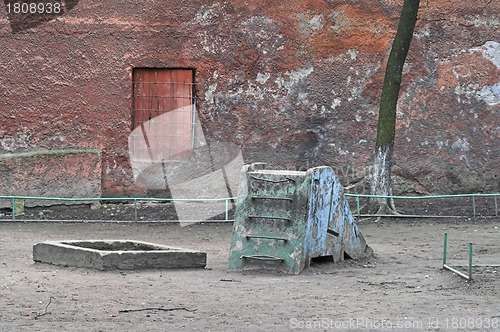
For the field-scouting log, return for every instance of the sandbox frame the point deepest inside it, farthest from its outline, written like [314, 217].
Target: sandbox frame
[127, 255]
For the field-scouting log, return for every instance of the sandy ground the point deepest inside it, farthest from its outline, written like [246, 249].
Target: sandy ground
[402, 287]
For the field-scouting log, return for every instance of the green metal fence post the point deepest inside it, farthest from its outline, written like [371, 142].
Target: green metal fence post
[357, 205]
[496, 206]
[470, 261]
[13, 208]
[227, 209]
[135, 209]
[474, 205]
[444, 247]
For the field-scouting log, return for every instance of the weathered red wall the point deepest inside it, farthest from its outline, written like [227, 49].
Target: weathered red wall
[295, 83]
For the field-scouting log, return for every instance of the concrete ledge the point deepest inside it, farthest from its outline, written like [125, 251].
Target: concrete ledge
[51, 173]
[117, 255]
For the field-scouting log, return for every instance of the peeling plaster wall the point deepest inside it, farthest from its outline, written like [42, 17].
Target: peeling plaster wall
[295, 83]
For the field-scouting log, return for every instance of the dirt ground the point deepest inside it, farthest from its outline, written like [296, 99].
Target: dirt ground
[402, 287]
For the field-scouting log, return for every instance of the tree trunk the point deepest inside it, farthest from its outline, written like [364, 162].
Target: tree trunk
[381, 183]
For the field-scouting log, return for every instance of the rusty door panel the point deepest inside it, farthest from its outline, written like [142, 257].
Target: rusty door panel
[163, 109]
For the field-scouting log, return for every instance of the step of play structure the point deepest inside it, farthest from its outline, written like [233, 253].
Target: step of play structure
[286, 218]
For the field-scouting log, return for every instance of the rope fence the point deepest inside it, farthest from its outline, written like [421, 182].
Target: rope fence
[134, 200]
[228, 201]
[473, 197]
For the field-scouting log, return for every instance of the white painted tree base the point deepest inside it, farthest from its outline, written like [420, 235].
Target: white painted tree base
[380, 180]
